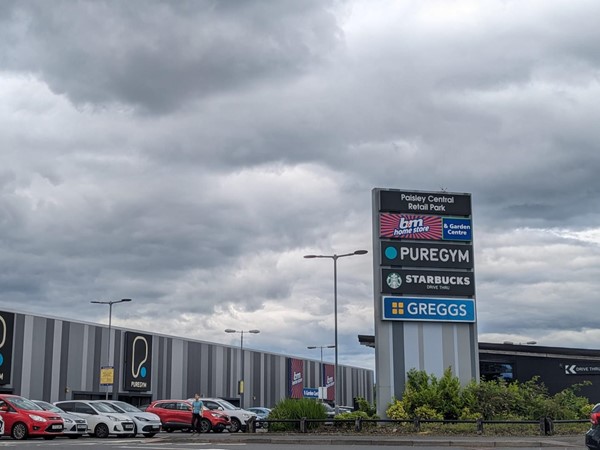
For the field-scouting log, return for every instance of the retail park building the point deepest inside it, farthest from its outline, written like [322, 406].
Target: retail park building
[55, 359]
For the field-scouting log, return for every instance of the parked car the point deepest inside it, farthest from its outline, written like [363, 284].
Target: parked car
[177, 415]
[329, 410]
[75, 426]
[1, 426]
[262, 413]
[102, 420]
[145, 423]
[237, 415]
[23, 418]
[592, 437]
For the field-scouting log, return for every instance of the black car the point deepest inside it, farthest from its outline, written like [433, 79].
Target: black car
[592, 437]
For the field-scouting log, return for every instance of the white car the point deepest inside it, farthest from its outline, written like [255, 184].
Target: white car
[102, 420]
[146, 423]
[1, 426]
[237, 415]
[75, 426]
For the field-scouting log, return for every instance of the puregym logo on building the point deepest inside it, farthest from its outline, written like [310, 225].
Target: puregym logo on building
[7, 321]
[138, 359]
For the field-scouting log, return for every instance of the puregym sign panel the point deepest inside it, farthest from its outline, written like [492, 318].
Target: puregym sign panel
[138, 362]
[7, 321]
[411, 254]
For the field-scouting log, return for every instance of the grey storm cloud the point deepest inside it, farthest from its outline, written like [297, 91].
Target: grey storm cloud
[156, 56]
[188, 154]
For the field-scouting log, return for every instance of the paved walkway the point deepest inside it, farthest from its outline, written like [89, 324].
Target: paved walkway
[572, 441]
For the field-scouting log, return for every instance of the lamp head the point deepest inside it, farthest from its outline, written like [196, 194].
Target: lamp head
[229, 330]
[125, 300]
[361, 252]
[310, 256]
[312, 347]
[254, 331]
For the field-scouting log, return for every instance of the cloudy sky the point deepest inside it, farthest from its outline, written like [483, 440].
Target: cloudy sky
[187, 154]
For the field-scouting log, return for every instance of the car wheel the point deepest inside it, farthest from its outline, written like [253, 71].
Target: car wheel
[149, 435]
[101, 431]
[204, 426]
[168, 430]
[236, 425]
[19, 431]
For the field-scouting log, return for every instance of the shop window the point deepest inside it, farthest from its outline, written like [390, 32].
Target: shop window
[494, 370]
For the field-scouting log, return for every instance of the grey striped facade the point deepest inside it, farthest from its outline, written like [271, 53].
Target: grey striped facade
[56, 359]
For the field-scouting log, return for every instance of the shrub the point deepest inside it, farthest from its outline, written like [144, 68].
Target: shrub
[426, 412]
[428, 398]
[396, 411]
[295, 409]
[365, 407]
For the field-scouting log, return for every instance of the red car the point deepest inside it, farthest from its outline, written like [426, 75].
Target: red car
[177, 415]
[23, 418]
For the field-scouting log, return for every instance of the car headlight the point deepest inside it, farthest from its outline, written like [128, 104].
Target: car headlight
[37, 418]
[142, 419]
[217, 415]
[114, 419]
[67, 420]
[246, 416]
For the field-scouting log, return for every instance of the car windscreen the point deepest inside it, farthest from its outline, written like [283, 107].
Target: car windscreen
[23, 403]
[112, 406]
[104, 408]
[49, 406]
[127, 407]
[226, 405]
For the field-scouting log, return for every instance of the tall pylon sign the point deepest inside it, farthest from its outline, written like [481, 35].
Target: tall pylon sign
[424, 282]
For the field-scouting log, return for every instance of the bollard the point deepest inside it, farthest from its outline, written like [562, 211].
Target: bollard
[358, 424]
[417, 424]
[548, 426]
[251, 425]
[480, 426]
[303, 427]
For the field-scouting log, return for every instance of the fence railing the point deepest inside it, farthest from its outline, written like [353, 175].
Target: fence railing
[546, 424]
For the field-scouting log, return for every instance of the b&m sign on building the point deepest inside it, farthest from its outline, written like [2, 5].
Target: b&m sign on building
[424, 288]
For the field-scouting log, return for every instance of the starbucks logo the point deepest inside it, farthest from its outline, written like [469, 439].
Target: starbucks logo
[394, 280]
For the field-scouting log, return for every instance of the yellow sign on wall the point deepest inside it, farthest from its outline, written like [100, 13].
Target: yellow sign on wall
[107, 376]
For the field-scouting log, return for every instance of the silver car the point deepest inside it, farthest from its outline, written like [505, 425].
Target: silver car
[75, 426]
[146, 423]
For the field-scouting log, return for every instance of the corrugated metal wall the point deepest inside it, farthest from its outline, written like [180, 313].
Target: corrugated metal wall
[56, 359]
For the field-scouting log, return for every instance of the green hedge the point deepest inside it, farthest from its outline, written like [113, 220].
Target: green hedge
[428, 397]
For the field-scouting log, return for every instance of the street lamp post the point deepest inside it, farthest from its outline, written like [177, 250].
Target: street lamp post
[336, 369]
[241, 387]
[312, 347]
[110, 303]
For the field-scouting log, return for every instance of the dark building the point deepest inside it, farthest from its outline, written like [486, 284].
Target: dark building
[557, 367]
